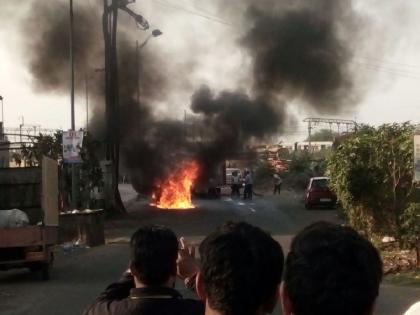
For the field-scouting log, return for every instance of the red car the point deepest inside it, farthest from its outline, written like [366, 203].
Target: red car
[318, 193]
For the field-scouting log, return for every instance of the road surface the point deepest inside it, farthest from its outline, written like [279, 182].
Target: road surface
[79, 275]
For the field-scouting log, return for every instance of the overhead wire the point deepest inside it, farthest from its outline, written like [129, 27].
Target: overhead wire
[396, 72]
[389, 62]
[193, 12]
[388, 68]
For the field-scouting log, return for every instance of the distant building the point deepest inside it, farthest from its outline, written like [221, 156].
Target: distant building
[313, 146]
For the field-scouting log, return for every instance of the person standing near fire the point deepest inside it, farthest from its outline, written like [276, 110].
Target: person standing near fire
[248, 185]
[236, 184]
[277, 183]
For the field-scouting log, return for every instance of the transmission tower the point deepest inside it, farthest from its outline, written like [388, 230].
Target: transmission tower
[350, 125]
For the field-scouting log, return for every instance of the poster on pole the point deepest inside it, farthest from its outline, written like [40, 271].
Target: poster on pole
[417, 158]
[72, 143]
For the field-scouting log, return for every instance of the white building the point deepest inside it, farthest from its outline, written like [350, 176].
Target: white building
[313, 146]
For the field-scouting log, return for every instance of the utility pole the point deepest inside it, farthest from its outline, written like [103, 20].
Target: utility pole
[118, 204]
[2, 112]
[309, 135]
[138, 71]
[87, 100]
[74, 182]
[71, 67]
[109, 25]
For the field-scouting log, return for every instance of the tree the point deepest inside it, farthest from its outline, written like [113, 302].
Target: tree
[411, 229]
[371, 172]
[17, 157]
[322, 135]
[301, 162]
[51, 146]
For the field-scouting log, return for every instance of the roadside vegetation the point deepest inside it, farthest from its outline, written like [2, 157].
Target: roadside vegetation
[371, 172]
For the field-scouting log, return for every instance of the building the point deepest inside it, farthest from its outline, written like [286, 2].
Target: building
[313, 146]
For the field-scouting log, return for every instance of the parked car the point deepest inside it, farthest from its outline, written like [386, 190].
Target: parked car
[319, 193]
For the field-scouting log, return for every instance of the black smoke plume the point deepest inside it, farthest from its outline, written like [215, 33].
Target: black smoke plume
[298, 49]
[304, 50]
[232, 120]
[46, 31]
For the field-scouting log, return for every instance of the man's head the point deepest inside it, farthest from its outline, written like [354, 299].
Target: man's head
[241, 268]
[154, 251]
[330, 270]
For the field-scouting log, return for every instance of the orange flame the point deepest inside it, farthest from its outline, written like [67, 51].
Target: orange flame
[176, 189]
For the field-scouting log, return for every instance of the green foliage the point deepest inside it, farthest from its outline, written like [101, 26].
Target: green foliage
[301, 162]
[264, 171]
[410, 228]
[91, 169]
[47, 145]
[323, 135]
[299, 170]
[17, 157]
[371, 173]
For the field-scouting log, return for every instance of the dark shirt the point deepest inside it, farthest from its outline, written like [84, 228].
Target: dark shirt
[121, 298]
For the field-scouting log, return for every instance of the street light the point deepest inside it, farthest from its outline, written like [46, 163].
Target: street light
[2, 113]
[2, 119]
[155, 33]
[140, 20]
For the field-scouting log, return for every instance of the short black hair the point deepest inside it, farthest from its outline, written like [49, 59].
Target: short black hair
[154, 251]
[332, 270]
[241, 268]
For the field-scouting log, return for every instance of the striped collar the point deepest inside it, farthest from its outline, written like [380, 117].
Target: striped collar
[154, 293]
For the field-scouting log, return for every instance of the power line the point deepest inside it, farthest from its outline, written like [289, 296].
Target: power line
[393, 63]
[189, 11]
[393, 68]
[391, 71]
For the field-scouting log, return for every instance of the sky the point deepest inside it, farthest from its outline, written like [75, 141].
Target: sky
[389, 63]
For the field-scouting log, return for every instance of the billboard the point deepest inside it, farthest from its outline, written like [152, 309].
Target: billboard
[72, 143]
[417, 158]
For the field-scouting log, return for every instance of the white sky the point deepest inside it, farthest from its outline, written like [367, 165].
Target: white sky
[392, 61]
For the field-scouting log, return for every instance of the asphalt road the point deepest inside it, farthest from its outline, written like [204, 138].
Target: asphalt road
[79, 275]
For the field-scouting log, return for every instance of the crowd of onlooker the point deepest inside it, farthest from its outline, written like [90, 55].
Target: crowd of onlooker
[329, 270]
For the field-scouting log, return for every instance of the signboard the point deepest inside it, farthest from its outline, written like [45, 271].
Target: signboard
[72, 143]
[417, 158]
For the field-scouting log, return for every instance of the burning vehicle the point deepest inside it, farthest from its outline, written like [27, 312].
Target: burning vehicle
[174, 192]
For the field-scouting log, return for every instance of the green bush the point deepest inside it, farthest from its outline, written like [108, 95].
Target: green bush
[263, 172]
[371, 173]
[410, 229]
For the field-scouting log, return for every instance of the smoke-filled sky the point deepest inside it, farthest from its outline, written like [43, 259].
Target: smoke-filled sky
[367, 52]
